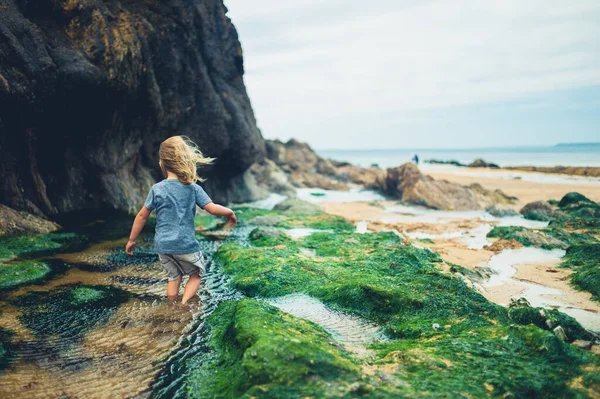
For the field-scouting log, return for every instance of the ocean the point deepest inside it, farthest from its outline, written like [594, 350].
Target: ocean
[564, 155]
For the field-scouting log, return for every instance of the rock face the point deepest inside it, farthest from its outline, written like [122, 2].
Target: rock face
[590, 171]
[408, 184]
[306, 169]
[89, 88]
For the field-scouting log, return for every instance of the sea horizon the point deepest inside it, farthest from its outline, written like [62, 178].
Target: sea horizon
[565, 154]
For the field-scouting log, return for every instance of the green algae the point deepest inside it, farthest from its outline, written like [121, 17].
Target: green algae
[39, 245]
[585, 261]
[547, 319]
[377, 276]
[290, 220]
[206, 222]
[69, 311]
[503, 361]
[26, 272]
[528, 237]
[259, 351]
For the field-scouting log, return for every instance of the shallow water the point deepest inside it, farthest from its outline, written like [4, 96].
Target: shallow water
[351, 331]
[503, 265]
[300, 232]
[317, 195]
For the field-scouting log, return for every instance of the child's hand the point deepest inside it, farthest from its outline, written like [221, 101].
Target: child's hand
[232, 219]
[129, 247]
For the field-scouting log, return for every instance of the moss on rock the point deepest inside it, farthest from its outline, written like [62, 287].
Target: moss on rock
[69, 311]
[290, 220]
[39, 245]
[377, 276]
[27, 272]
[513, 361]
[585, 261]
[259, 351]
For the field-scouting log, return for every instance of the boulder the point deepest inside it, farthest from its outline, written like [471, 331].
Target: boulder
[14, 222]
[480, 163]
[408, 184]
[267, 232]
[297, 206]
[501, 211]
[89, 89]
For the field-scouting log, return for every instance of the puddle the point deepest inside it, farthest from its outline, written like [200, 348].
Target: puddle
[474, 239]
[503, 263]
[267, 203]
[361, 227]
[308, 251]
[303, 232]
[506, 286]
[351, 331]
[316, 195]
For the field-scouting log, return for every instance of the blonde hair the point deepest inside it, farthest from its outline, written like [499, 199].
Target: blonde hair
[180, 155]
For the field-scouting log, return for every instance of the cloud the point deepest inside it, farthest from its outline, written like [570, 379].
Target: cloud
[316, 65]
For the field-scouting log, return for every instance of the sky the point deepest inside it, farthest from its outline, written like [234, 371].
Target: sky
[352, 74]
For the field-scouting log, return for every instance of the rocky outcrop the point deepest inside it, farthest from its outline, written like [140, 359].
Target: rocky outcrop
[444, 162]
[18, 223]
[89, 88]
[480, 163]
[408, 184]
[589, 171]
[306, 169]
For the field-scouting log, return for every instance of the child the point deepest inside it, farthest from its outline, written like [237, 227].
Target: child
[175, 200]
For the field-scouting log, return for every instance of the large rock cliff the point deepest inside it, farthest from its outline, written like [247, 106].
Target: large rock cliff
[89, 88]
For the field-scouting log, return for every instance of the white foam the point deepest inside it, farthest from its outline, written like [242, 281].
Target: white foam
[352, 195]
[303, 232]
[268, 203]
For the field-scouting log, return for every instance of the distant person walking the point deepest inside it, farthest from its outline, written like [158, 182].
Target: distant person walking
[415, 159]
[175, 200]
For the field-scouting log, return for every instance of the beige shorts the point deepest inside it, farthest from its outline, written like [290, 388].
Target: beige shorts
[177, 266]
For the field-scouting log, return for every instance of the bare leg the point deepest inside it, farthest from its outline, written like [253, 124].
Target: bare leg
[191, 287]
[173, 289]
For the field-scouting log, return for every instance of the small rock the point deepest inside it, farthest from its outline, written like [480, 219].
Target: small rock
[501, 212]
[560, 333]
[581, 344]
[435, 326]
[266, 220]
[550, 323]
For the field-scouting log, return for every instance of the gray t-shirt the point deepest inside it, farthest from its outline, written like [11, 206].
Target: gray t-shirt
[175, 205]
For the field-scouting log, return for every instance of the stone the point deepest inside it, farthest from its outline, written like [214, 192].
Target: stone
[501, 245]
[13, 222]
[297, 206]
[501, 212]
[560, 333]
[266, 220]
[480, 163]
[266, 232]
[89, 89]
[582, 344]
[408, 184]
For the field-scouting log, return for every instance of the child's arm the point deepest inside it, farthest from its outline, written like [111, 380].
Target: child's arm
[220, 210]
[138, 225]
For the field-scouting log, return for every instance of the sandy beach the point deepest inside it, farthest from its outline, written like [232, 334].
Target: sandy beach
[526, 190]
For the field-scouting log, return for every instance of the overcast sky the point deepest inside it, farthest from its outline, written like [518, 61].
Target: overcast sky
[422, 74]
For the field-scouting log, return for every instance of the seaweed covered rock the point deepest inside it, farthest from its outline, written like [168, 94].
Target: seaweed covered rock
[584, 260]
[577, 212]
[22, 273]
[263, 236]
[377, 276]
[260, 351]
[40, 245]
[69, 311]
[538, 210]
[527, 237]
[408, 184]
[521, 312]
[88, 90]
